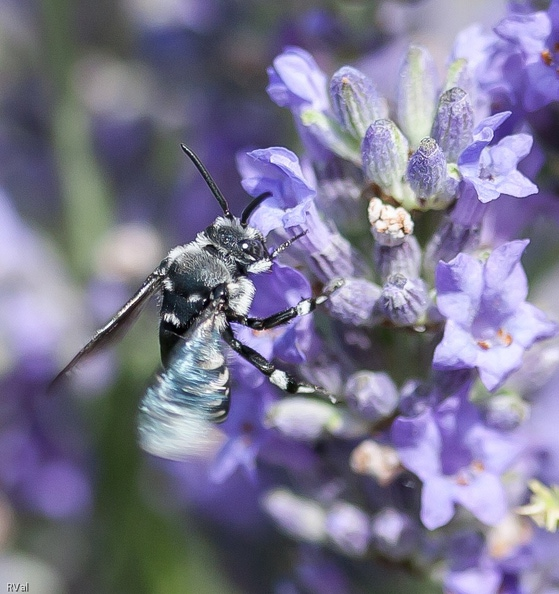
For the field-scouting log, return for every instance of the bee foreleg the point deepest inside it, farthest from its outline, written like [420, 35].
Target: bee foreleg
[304, 307]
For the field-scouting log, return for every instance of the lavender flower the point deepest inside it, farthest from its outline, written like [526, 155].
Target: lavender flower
[394, 534]
[494, 171]
[43, 464]
[458, 459]
[292, 207]
[297, 82]
[533, 38]
[471, 568]
[489, 323]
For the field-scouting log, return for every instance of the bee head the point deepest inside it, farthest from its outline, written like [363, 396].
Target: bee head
[241, 243]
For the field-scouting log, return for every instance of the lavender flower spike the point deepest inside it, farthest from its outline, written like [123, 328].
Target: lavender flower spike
[489, 323]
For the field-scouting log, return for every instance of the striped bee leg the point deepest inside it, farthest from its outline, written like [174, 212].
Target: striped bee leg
[304, 307]
[279, 378]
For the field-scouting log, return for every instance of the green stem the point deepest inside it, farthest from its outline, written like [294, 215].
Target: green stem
[85, 193]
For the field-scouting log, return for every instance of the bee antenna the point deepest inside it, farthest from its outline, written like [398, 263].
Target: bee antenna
[250, 208]
[286, 244]
[209, 180]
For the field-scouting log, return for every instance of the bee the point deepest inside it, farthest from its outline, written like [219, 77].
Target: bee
[204, 287]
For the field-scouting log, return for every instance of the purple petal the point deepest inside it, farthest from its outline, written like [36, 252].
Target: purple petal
[518, 144]
[542, 86]
[485, 497]
[530, 324]
[497, 363]
[506, 285]
[279, 289]
[481, 579]
[418, 442]
[496, 450]
[276, 170]
[517, 185]
[529, 31]
[457, 349]
[459, 286]
[296, 79]
[437, 505]
[483, 135]
[239, 452]
[490, 124]
[486, 190]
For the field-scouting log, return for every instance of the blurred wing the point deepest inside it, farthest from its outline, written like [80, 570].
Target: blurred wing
[179, 411]
[119, 323]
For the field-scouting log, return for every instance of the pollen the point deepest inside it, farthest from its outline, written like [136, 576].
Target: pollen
[462, 479]
[504, 337]
[547, 57]
[477, 466]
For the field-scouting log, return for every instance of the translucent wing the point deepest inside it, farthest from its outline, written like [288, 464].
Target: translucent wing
[178, 413]
[119, 323]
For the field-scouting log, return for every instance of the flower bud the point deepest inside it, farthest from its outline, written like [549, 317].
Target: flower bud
[403, 301]
[353, 303]
[416, 94]
[297, 516]
[404, 258]
[458, 75]
[384, 154]
[373, 395]
[307, 419]
[428, 176]
[505, 411]
[348, 528]
[454, 123]
[394, 534]
[416, 397]
[356, 101]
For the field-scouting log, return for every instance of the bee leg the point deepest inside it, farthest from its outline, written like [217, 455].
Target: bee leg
[304, 307]
[279, 378]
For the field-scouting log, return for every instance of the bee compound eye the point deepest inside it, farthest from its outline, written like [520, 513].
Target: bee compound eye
[253, 248]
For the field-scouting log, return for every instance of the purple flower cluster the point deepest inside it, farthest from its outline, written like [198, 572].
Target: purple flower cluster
[43, 465]
[421, 457]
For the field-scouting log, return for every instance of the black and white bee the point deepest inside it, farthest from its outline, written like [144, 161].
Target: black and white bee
[204, 287]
